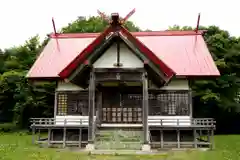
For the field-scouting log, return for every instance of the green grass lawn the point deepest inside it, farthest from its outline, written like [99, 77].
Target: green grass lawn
[17, 146]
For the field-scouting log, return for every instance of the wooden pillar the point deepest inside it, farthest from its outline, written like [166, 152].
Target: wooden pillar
[80, 138]
[195, 137]
[208, 138]
[33, 134]
[39, 134]
[161, 138]
[91, 110]
[64, 133]
[55, 104]
[190, 103]
[52, 130]
[49, 136]
[212, 138]
[178, 138]
[200, 133]
[99, 108]
[145, 108]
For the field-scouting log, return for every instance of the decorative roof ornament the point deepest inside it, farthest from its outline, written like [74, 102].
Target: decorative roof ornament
[198, 21]
[115, 19]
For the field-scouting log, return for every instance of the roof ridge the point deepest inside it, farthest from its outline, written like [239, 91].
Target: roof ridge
[140, 34]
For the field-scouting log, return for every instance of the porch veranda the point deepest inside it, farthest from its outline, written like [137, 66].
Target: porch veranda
[124, 110]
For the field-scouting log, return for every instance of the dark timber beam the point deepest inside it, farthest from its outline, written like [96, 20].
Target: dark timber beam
[91, 106]
[145, 108]
[99, 108]
[190, 103]
[119, 70]
[55, 103]
[118, 52]
[77, 71]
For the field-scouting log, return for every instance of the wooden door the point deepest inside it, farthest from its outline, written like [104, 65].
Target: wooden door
[120, 107]
[111, 104]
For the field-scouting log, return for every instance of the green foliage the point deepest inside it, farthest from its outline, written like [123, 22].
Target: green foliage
[18, 99]
[93, 25]
[21, 100]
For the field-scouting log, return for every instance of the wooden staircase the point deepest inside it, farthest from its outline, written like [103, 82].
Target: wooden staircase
[118, 139]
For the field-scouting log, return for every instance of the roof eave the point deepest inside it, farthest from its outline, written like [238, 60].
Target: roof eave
[151, 33]
[81, 56]
[164, 67]
[43, 78]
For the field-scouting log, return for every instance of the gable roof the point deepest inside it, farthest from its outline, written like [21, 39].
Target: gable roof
[182, 52]
[168, 72]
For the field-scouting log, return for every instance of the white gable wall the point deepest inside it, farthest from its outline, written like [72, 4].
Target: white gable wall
[177, 84]
[127, 58]
[67, 86]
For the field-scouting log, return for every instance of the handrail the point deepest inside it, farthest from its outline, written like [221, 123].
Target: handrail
[198, 122]
[62, 122]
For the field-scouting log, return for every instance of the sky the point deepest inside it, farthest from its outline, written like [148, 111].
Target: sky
[22, 19]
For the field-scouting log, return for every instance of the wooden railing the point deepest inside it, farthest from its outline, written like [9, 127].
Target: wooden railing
[184, 122]
[47, 122]
[152, 122]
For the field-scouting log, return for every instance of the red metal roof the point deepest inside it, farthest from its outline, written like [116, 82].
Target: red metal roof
[169, 73]
[185, 52]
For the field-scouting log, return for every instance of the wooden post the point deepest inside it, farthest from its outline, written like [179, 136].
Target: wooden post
[208, 138]
[49, 136]
[52, 130]
[145, 108]
[161, 138]
[39, 134]
[178, 138]
[91, 108]
[190, 103]
[100, 108]
[33, 134]
[55, 104]
[64, 133]
[80, 138]
[212, 138]
[195, 137]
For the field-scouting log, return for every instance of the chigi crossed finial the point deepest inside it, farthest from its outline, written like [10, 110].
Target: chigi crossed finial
[115, 19]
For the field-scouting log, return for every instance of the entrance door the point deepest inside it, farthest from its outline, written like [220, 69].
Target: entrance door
[121, 107]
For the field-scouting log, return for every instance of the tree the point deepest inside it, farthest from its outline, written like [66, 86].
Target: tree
[219, 98]
[21, 100]
[93, 25]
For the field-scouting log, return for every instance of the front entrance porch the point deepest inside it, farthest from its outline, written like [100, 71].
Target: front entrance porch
[121, 105]
[124, 101]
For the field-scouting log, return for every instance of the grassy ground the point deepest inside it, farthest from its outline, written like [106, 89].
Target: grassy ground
[17, 146]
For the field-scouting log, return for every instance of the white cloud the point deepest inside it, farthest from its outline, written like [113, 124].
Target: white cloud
[21, 19]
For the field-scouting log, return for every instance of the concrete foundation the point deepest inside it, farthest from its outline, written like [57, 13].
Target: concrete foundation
[90, 147]
[146, 147]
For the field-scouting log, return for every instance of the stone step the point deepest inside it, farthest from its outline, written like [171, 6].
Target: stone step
[118, 139]
[132, 139]
[118, 145]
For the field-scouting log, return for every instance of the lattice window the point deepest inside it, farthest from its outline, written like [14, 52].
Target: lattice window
[122, 108]
[62, 104]
[169, 103]
[78, 103]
